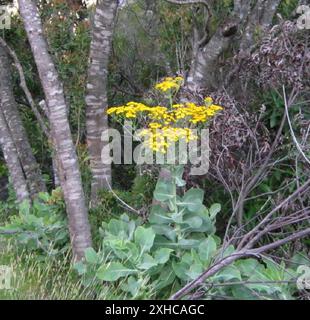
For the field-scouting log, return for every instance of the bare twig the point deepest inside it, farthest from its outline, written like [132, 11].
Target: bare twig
[254, 232]
[122, 201]
[253, 181]
[233, 257]
[281, 242]
[291, 127]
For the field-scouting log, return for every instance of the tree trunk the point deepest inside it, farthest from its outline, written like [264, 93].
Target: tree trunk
[204, 69]
[27, 160]
[243, 21]
[68, 166]
[96, 96]
[12, 160]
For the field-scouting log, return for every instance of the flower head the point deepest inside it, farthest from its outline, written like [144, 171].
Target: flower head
[169, 84]
[167, 125]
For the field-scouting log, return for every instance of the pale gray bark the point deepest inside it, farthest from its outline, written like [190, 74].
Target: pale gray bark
[96, 96]
[243, 21]
[55, 172]
[204, 69]
[27, 160]
[260, 17]
[12, 160]
[66, 155]
[184, 2]
[23, 85]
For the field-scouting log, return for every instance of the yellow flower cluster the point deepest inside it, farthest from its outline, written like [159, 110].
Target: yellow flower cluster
[159, 138]
[133, 109]
[166, 125]
[130, 110]
[189, 111]
[194, 113]
[169, 83]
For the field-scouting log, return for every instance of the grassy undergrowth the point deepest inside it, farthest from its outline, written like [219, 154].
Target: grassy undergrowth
[44, 279]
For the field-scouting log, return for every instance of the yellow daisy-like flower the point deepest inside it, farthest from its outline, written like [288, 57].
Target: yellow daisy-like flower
[155, 125]
[169, 83]
[208, 101]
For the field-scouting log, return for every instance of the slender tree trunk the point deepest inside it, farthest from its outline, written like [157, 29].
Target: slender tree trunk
[27, 160]
[60, 130]
[96, 97]
[12, 160]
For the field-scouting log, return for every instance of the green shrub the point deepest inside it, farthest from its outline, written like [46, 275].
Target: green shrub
[40, 226]
[175, 246]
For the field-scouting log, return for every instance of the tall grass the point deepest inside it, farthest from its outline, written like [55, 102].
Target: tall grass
[41, 278]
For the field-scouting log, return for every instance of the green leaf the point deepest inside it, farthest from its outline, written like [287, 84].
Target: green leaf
[159, 216]
[261, 275]
[248, 266]
[122, 249]
[274, 271]
[166, 278]
[145, 238]
[228, 273]
[147, 262]
[228, 251]
[118, 228]
[260, 286]
[113, 272]
[166, 231]
[192, 200]
[131, 230]
[241, 292]
[163, 242]
[194, 271]
[177, 174]
[80, 267]
[207, 225]
[124, 217]
[188, 243]
[299, 258]
[180, 269]
[133, 286]
[188, 258]
[207, 249]
[194, 222]
[162, 255]
[132, 251]
[178, 217]
[214, 210]
[91, 256]
[164, 191]
[172, 205]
